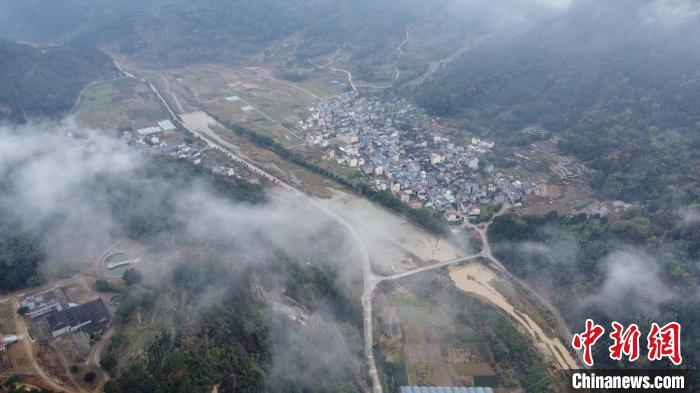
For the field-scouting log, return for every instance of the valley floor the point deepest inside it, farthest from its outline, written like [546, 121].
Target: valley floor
[392, 249]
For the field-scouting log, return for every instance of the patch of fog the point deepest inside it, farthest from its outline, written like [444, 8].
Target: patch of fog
[632, 284]
[689, 215]
[205, 124]
[477, 279]
[388, 237]
[54, 177]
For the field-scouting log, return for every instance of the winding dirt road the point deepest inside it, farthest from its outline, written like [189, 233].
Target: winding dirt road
[354, 86]
[488, 254]
[28, 344]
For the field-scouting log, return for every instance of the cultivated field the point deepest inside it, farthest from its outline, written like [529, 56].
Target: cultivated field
[122, 104]
[252, 97]
[6, 324]
[429, 343]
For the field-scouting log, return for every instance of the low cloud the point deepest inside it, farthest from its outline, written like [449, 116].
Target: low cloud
[689, 215]
[558, 251]
[65, 188]
[632, 285]
[672, 11]
[314, 352]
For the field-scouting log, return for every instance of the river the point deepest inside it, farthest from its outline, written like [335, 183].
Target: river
[477, 279]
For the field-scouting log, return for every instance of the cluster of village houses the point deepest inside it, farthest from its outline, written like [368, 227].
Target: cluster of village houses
[153, 140]
[401, 150]
[393, 144]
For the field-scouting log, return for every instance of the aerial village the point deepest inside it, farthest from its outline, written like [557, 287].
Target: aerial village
[399, 149]
[165, 139]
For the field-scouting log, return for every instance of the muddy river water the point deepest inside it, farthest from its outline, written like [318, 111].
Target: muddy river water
[477, 279]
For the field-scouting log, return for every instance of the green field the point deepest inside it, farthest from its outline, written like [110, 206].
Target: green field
[317, 82]
[254, 121]
[431, 346]
[120, 104]
[428, 332]
[6, 321]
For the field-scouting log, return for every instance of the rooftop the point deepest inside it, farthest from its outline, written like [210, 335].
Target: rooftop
[94, 313]
[45, 298]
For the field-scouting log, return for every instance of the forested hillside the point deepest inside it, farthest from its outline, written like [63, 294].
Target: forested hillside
[169, 32]
[619, 82]
[22, 251]
[232, 344]
[45, 82]
[647, 264]
[621, 87]
[20, 254]
[163, 33]
[217, 292]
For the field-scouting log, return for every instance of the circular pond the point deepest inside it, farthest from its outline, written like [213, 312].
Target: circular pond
[114, 265]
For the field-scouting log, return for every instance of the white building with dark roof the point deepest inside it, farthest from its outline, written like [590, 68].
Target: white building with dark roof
[44, 302]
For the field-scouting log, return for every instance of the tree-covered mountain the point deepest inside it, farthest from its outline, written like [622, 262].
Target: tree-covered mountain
[45, 82]
[20, 255]
[22, 251]
[173, 32]
[620, 83]
[646, 263]
[176, 32]
[228, 291]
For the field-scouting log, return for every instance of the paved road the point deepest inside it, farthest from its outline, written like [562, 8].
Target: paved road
[401, 52]
[430, 267]
[370, 281]
[216, 142]
[349, 75]
[487, 253]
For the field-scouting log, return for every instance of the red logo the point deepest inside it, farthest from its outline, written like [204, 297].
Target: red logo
[625, 342]
[587, 339]
[662, 342]
[665, 342]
